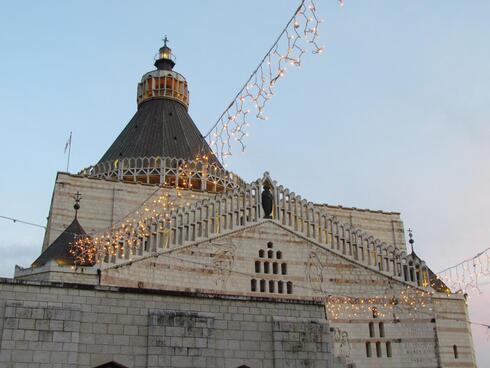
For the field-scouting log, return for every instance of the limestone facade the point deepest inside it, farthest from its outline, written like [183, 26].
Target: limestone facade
[59, 325]
[361, 300]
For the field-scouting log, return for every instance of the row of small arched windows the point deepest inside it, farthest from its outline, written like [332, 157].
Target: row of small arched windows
[271, 286]
[270, 254]
[265, 267]
[379, 352]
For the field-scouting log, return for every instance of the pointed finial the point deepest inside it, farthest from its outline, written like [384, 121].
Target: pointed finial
[165, 40]
[411, 241]
[77, 197]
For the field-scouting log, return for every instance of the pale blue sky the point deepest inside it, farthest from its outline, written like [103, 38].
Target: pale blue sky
[393, 116]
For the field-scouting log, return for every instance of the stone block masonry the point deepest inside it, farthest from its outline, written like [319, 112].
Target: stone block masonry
[70, 325]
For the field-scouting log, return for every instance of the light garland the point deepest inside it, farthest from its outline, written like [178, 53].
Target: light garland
[126, 238]
[409, 299]
[299, 36]
[467, 275]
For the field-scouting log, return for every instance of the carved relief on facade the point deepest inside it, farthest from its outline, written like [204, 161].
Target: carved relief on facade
[221, 260]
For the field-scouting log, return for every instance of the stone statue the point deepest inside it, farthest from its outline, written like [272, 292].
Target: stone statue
[267, 201]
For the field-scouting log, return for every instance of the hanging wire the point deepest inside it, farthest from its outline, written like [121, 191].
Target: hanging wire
[299, 36]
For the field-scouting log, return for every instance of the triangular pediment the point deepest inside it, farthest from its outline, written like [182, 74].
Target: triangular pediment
[230, 214]
[262, 260]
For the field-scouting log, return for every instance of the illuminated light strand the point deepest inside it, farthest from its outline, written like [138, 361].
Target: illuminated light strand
[299, 36]
[467, 275]
[407, 300]
[127, 237]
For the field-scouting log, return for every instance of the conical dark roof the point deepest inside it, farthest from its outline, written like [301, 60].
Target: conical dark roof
[160, 127]
[59, 250]
[435, 282]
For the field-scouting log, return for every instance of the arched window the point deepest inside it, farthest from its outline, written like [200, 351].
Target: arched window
[269, 245]
[262, 286]
[290, 287]
[368, 349]
[257, 266]
[267, 267]
[378, 349]
[261, 253]
[275, 268]
[371, 329]
[271, 286]
[455, 351]
[280, 287]
[111, 365]
[389, 354]
[284, 268]
[381, 329]
[279, 254]
[253, 285]
[270, 254]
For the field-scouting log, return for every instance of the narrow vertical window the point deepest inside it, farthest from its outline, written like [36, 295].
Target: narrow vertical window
[269, 245]
[279, 254]
[378, 349]
[388, 349]
[368, 350]
[284, 268]
[262, 286]
[253, 285]
[290, 287]
[275, 269]
[257, 266]
[270, 254]
[371, 329]
[267, 267]
[280, 287]
[381, 329]
[261, 253]
[455, 351]
[271, 286]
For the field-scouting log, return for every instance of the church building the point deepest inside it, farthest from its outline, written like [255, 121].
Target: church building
[157, 256]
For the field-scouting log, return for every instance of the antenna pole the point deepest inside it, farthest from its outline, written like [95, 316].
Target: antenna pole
[69, 152]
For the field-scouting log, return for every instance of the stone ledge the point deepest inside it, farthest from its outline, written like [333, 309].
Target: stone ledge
[130, 290]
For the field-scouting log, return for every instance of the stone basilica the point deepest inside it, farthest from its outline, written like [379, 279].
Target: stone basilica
[236, 275]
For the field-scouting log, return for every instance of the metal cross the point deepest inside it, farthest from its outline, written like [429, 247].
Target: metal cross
[77, 197]
[410, 235]
[165, 40]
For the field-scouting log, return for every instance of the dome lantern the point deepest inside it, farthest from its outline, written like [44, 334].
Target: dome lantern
[163, 82]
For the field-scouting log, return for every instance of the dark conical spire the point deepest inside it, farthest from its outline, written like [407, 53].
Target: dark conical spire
[59, 250]
[162, 126]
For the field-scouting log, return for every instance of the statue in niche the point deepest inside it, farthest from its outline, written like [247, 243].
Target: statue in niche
[267, 201]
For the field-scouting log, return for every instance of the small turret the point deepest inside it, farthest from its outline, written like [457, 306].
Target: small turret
[163, 82]
[166, 60]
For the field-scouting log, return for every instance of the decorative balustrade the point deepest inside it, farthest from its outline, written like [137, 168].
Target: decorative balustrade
[168, 172]
[229, 211]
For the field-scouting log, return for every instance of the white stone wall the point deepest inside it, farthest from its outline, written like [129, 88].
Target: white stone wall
[103, 203]
[227, 265]
[55, 325]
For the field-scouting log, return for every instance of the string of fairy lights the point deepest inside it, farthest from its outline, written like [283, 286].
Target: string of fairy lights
[298, 37]
[409, 301]
[467, 275]
[126, 238]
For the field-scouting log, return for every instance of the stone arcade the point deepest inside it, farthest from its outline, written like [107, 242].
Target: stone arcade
[243, 274]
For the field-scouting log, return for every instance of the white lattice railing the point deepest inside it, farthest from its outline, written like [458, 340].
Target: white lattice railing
[229, 211]
[166, 171]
